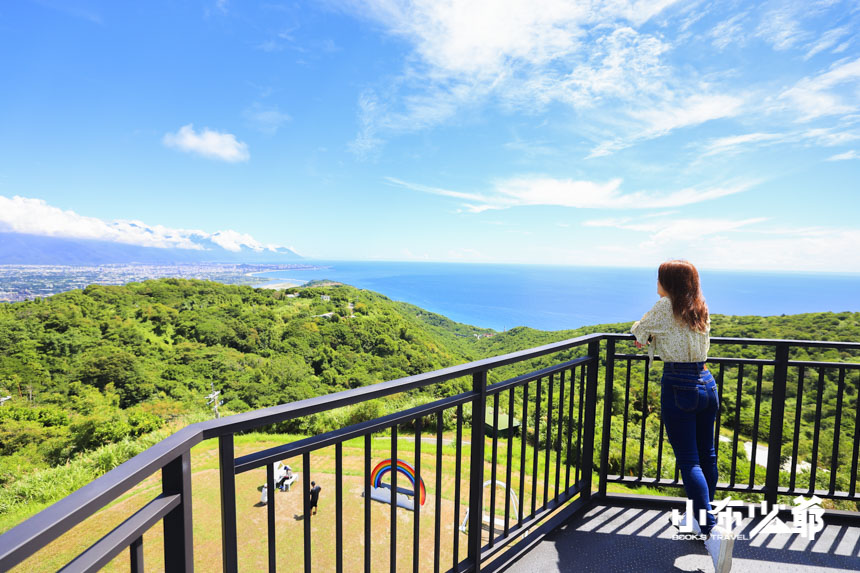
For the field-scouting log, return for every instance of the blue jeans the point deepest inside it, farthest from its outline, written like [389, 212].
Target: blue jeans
[689, 404]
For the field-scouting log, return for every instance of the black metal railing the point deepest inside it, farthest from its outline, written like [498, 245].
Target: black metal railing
[758, 414]
[566, 418]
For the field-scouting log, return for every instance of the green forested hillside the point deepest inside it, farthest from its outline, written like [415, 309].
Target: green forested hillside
[90, 367]
[107, 364]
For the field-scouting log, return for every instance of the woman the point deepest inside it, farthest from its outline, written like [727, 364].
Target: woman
[677, 329]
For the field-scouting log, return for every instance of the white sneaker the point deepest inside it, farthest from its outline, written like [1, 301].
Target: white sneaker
[697, 529]
[719, 544]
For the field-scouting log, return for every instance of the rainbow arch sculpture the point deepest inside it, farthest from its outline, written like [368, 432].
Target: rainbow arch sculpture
[386, 466]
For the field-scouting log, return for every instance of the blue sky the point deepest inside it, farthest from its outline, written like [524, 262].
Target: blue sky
[609, 132]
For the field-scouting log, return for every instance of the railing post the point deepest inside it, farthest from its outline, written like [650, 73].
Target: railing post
[178, 538]
[135, 554]
[589, 428]
[229, 550]
[777, 414]
[607, 415]
[270, 518]
[476, 468]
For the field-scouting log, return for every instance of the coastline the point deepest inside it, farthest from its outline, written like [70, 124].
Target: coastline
[281, 284]
[559, 298]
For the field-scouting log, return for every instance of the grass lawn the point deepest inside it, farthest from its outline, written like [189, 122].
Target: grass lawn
[252, 516]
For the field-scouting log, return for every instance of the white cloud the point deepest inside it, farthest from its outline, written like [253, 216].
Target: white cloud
[410, 256]
[733, 143]
[671, 114]
[618, 66]
[437, 190]
[693, 110]
[781, 27]
[852, 154]
[844, 133]
[267, 119]
[829, 250]
[234, 241]
[464, 254]
[831, 137]
[208, 143]
[676, 229]
[818, 96]
[730, 244]
[466, 53]
[827, 40]
[729, 32]
[37, 217]
[366, 141]
[539, 190]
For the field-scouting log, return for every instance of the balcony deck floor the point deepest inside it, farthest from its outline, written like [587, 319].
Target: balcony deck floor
[623, 538]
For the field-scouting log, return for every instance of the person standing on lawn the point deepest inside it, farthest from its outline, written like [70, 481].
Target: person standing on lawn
[315, 497]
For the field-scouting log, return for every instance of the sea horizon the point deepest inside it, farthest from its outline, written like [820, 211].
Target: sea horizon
[559, 297]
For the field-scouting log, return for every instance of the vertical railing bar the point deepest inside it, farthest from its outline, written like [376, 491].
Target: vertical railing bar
[135, 551]
[338, 503]
[227, 465]
[367, 529]
[624, 421]
[437, 529]
[476, 470]
[393, 536]
[644, 420]
[605, 438]
[569, 427]
[817, 432]
[755, 424]
[538, 396]
[270, 514]
[558, 435]
[837, 429]
[524, 433]
[458, 472]
[801, 371]
[590, 415]
[579, 428]
[777, 416]
[853, 486]
[493, 463]
[719, 411]
[306, 502]
[549, 398]
[510, 463]
[736, 438]
[177, 525]
[416, 498]
[660, 449]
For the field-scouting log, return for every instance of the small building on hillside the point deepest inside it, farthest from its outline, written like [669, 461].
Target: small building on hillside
[506, 426]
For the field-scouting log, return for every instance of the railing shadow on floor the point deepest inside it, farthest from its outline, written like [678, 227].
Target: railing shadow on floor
[622, 534]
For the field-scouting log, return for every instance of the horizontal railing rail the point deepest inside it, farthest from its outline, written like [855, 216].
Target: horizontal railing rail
[28, 537]
[559, 434]
[741, 384]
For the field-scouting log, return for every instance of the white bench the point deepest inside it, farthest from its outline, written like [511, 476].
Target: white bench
[281, 471]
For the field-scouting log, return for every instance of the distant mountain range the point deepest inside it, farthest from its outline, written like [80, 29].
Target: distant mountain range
[26, 249]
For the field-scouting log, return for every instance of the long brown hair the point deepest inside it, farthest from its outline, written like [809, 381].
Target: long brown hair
[681, 280]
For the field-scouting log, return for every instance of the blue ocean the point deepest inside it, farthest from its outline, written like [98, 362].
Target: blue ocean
[561, 297]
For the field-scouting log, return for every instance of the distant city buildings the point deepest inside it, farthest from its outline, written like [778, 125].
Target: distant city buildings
[26, 282]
